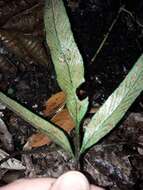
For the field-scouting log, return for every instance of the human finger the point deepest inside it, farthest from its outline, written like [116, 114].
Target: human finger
[71, 180]
[30, 184]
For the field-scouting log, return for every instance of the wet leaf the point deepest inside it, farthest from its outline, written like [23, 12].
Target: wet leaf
[62, 119]
[2, 173]
[54, 104]
[113, 165]
[6, 66]
[6, 137]
[66, 57]
[37, 140]
[26, 21]
[25, 47]
[54, 133]
[10, 41]
[14, 7]
[34, 48]
[10, 164]
[115, 107]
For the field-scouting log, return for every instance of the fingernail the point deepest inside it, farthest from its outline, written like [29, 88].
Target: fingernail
[72, 180]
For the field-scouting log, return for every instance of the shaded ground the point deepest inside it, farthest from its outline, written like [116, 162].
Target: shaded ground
[116, 161]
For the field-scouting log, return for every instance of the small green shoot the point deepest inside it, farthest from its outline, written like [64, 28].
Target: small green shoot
[70, 75]
[67, 60]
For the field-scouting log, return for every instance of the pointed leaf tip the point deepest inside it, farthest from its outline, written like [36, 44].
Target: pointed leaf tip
[115, 106]
[66, 57]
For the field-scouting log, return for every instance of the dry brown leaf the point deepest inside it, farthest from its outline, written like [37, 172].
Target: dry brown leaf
[6, 66]
[26, 21]
[37, 140]
[25, 47]
[9, 41]
[54, 104]
[62, 119]
[11, 8]
[34, 49]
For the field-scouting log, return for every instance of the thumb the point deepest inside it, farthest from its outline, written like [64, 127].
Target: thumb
[71, 180]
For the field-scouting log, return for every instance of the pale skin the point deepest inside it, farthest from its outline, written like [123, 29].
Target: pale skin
[72, 180]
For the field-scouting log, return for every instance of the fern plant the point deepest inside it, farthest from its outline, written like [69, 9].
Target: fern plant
[69, 68]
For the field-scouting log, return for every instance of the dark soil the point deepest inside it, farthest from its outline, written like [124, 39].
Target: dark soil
[115, 162]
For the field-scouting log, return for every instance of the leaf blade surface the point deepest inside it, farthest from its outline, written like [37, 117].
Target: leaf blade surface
[115, 106]
[66, 57]
[54, 133]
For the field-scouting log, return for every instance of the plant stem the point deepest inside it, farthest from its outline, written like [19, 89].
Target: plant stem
[106, 35]
[121, 9]
[77, 149]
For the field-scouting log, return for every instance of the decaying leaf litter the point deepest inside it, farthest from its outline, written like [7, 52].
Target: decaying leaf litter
[99, 81]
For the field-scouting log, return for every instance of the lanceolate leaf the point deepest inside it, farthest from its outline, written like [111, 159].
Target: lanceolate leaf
[66, 57]
[115, 107]
[55, 134]
[61, 119]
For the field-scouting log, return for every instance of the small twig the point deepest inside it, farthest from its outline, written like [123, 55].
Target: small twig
[106, 35]
[132, 16]
[122, 9]
[126, 11]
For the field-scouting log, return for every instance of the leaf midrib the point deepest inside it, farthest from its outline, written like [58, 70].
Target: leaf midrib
[59, 42]
[138, 76]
